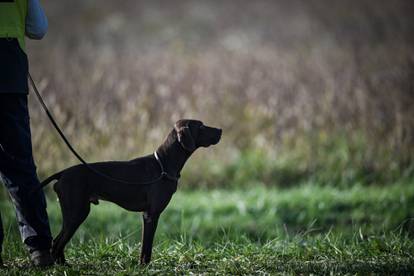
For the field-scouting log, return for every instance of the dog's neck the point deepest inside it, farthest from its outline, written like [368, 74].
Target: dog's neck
[172, 155]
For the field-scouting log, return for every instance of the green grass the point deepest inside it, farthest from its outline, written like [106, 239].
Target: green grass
[307, 229]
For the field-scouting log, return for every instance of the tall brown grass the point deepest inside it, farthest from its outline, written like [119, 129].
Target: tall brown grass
[278, 76]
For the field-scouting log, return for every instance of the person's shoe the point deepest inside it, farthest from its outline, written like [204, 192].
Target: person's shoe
[41, 258]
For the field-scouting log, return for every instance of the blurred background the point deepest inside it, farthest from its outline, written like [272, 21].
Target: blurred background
[303, 89]
[315, 98]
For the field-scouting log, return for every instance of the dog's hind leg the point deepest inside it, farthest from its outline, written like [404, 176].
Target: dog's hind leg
[59, 257]
[74, 212]
[69, 227]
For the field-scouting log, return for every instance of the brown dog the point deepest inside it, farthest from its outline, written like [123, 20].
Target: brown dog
[78, 186]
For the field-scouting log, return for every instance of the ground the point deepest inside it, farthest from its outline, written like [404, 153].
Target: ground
[307, 229]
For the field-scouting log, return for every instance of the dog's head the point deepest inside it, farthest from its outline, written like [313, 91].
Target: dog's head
[192, 134]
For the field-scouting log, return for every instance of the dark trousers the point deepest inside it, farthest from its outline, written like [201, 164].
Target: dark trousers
[13, 67]
[18, 172]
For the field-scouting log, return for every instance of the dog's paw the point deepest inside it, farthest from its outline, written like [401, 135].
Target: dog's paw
[59, 259]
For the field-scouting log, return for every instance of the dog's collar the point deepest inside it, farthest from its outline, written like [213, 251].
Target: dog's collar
[163, 172]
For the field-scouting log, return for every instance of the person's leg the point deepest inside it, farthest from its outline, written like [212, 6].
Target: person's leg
[18, 172]
[1, 240]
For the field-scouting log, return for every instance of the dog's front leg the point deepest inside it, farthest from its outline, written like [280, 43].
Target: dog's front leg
[148, 230]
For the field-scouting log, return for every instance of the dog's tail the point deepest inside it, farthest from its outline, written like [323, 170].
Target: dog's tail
[56, 176]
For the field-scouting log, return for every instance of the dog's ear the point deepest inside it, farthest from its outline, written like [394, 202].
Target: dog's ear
[185, 138]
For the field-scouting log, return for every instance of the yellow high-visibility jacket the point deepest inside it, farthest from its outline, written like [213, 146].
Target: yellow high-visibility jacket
[13, 20]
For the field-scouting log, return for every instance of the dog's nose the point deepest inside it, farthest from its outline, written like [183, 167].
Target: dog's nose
[219, 133]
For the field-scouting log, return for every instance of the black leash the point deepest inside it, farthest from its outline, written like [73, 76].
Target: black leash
[164, 174]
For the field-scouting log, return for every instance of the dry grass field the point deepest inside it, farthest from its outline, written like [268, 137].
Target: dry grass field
[293, 80]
